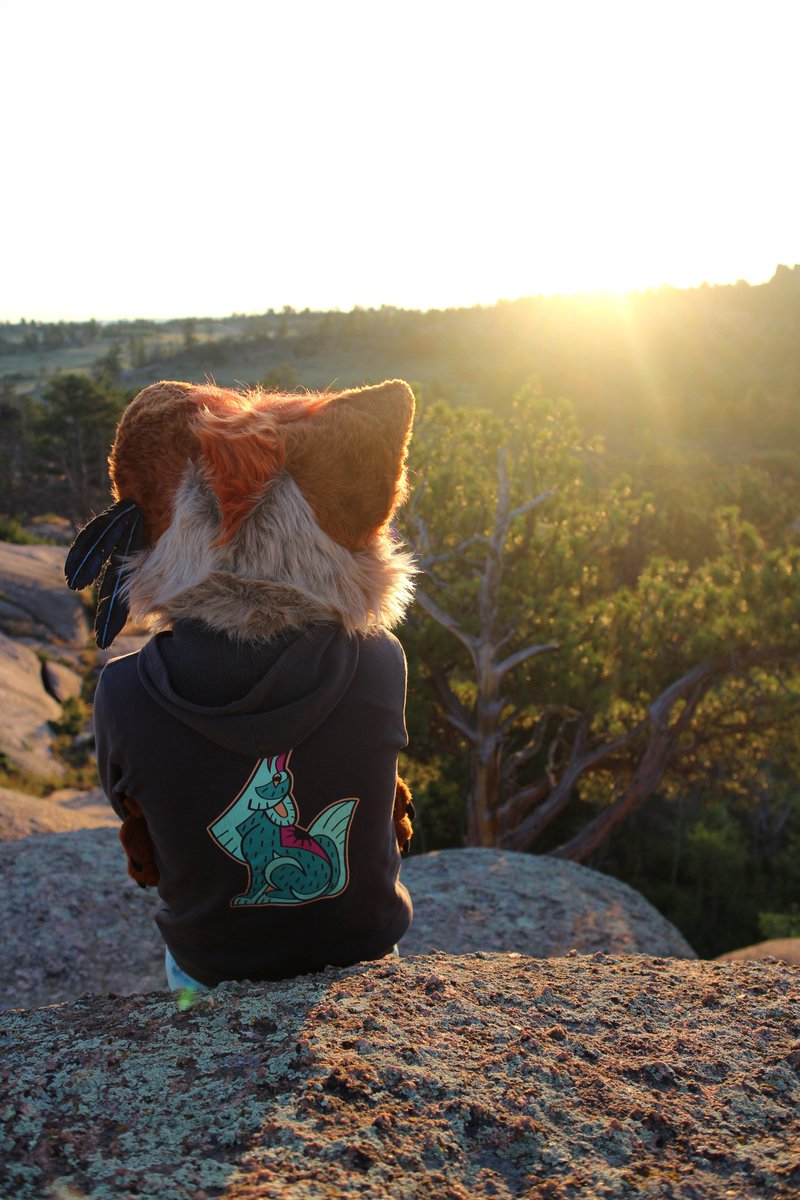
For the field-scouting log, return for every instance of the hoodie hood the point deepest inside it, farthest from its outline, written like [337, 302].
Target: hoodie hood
[257, 697]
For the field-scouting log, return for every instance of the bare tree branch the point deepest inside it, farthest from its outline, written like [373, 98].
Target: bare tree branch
[514, 808]
[661, 706]
[463, 727]
[519, 757]
[455, 712]
[521, 656]
[658, 756]
[426, 561]
[530, 505]
[646, 778]
[447, 622]
[560, 795]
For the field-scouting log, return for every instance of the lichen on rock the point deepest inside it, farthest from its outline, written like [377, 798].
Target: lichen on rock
[439, 1076]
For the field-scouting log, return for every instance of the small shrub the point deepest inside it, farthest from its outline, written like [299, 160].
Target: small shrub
[74, 718]
[780, 924]
[12, 531]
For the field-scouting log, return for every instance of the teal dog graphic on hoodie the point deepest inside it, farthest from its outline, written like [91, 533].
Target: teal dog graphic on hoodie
[287, 863]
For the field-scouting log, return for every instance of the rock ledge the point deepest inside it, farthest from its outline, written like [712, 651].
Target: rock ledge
[443, 1077]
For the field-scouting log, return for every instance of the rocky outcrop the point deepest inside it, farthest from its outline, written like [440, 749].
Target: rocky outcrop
[448, 1078]
[71, 920]
[25, 734]
[62, 811]
[35, 602]
[54, 528]
[60, 681]
[94, 928]
[474, 899]
[37, 613]
[780, 949]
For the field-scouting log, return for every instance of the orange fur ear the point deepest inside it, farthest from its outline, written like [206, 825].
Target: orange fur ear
[347, 456]
[237, 435]
[243, 453]
[152, 449]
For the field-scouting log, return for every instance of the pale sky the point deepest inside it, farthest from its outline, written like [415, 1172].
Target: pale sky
[175, 158]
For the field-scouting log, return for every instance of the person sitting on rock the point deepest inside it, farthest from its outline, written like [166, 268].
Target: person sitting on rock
[250, 748]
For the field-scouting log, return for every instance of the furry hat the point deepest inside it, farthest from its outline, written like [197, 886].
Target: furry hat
[252, 511]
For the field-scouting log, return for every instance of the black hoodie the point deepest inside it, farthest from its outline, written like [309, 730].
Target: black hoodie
[266, 772]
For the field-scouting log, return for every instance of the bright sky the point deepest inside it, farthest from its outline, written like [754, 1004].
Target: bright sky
[171, 158]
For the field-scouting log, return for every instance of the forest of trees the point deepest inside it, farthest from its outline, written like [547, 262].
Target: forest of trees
[605, 653]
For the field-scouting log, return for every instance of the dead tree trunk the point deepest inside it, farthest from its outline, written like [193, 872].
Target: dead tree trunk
[482, 726]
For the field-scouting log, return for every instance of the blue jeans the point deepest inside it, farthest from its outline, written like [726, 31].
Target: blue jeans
[177, 977]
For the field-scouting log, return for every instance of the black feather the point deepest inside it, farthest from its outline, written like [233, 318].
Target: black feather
[98, 540]
[112, 602]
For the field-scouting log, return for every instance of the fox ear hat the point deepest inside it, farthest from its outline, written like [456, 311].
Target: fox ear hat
[253, 511]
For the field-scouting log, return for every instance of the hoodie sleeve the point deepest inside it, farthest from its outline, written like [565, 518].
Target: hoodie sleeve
[110, 758]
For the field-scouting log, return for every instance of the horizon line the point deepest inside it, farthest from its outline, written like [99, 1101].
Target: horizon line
[582, 293]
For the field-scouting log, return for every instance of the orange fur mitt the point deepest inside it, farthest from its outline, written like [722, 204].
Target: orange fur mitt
[403, 815]
[135, 838]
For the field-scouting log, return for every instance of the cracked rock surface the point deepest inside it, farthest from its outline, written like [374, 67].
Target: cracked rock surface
[27, 710]
[34, 600]
[64, 810]
[452, 1077]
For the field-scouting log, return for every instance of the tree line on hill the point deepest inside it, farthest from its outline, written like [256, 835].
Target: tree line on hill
[603, 659]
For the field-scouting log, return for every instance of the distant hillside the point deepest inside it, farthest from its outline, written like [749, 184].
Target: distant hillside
[672, 355]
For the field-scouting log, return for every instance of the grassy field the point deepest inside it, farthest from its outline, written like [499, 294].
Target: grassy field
[286, 350]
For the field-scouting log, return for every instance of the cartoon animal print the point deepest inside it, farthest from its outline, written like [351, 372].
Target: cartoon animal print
[288, 864]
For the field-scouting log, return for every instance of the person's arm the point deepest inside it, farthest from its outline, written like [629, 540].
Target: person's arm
[133, 834]
[109, 752]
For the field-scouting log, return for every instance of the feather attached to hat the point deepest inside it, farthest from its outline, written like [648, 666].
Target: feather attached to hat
[102, 549]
